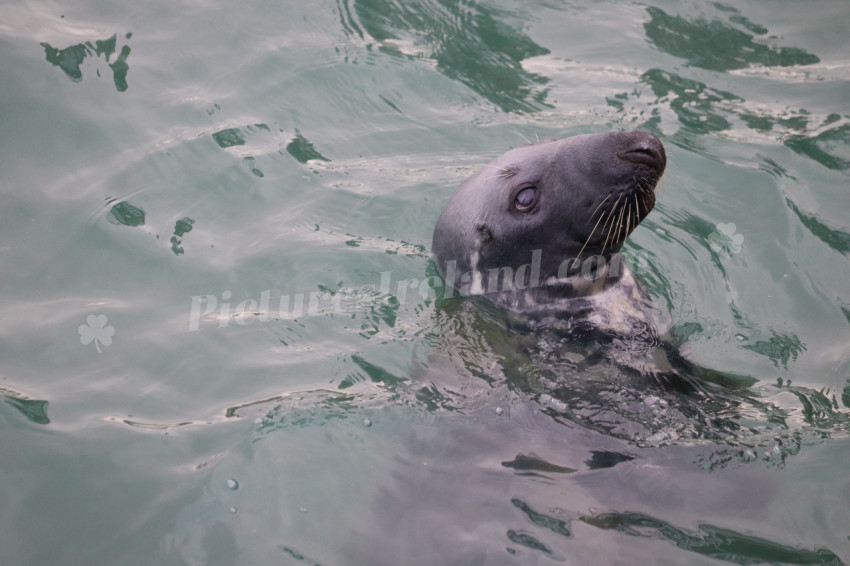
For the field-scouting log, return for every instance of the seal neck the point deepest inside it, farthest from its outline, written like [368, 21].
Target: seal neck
[559, 294]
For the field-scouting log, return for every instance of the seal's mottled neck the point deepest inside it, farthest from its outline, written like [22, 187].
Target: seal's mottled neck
[532, 293]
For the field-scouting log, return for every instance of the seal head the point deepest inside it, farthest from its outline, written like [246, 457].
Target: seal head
[522, 229]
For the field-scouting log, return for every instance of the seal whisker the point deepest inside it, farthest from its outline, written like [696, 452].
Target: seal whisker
[528, 141]
[605, 243]
[619, 224]
[591, 232]
[611, 214]
[598, 207]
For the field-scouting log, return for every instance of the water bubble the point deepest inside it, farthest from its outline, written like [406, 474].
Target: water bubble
[302, 509]
[499, 411]
[233, 510]
[232, 484]
[367, 423]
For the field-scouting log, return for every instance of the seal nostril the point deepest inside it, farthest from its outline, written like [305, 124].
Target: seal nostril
[642, 148]
[645, 155]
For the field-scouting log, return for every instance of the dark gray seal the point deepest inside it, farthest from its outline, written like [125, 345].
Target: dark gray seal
[542, 225]
[538, 231]
[549, 309]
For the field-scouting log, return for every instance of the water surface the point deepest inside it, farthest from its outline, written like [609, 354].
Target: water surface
[163, 157]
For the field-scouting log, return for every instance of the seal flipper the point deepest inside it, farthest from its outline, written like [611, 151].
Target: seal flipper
[673, 369]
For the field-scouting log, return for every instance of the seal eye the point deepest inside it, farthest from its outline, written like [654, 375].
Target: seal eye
[525, 199]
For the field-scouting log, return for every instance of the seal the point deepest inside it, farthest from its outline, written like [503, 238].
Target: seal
[531, 242]
[538, 231]
[543, 224]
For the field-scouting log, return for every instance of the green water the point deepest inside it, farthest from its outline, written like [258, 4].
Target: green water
[171, 171]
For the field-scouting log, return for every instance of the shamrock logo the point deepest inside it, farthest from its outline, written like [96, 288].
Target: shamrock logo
[725, 239]
[96, 330]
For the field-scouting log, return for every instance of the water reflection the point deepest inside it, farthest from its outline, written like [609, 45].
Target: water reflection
[528, 464]
[708, 540]
[34, 410]
[836, 239]
[302, 409]
[829, 148]
[71, 58]
[724, 42]
[303, 150]
[697, 106]
[779, 348]
[469, 42]
[125, 214]
[722, 46]
[298, 146]
[181, 227]
[716, 45]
